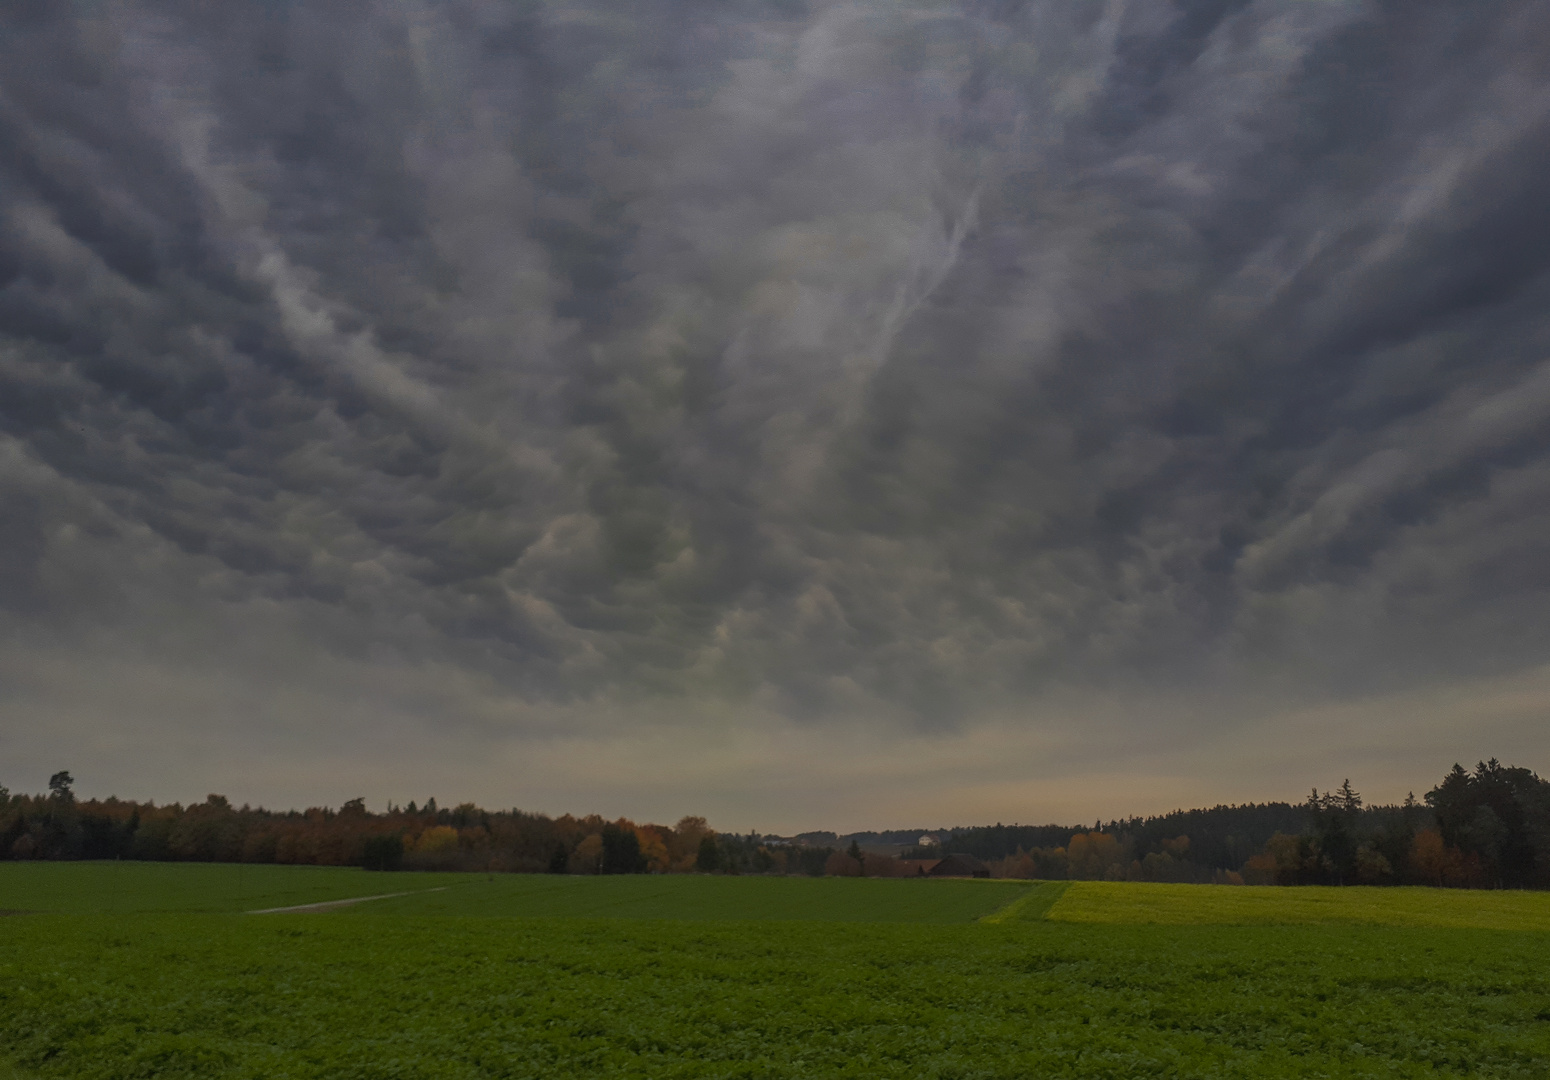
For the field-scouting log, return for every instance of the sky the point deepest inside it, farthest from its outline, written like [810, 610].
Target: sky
[805, 414]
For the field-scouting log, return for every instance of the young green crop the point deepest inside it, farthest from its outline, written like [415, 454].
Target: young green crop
[123, 887]
[224, 997]
[132, 886]
[703, 897]
[834, 977]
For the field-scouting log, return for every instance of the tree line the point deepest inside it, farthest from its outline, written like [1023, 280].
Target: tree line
[430, 837]
[1489, 828]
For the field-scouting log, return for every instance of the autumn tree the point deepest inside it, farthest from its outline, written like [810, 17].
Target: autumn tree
[1432, 861]
[654, 853]
[587, 857]
[683, 841]
[1095, 856]
[435, 839]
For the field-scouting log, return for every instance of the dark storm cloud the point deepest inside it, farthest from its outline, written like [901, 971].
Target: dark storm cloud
[819, 360]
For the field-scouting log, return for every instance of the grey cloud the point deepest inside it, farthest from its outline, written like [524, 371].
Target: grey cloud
[826, 361]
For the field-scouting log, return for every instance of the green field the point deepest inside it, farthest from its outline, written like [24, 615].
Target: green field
[701, 898]
[125, 887]
[755, 977]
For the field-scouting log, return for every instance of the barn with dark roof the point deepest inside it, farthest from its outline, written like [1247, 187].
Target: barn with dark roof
[959, 866]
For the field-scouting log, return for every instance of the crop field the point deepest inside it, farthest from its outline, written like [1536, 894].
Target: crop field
[949, 979]
[700, 898]
[125, 887]
[129, 887]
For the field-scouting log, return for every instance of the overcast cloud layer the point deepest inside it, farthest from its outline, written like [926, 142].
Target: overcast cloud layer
[807, 414]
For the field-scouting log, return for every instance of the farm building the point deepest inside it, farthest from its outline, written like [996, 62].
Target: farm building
[959, 866]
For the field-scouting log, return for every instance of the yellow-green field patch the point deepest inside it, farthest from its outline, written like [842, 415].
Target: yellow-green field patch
[1140, 903]
[1032, 905]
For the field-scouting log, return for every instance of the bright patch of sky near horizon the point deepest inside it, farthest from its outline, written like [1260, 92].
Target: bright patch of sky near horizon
[809, 415]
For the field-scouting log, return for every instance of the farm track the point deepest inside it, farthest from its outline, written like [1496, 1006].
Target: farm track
[330, 905]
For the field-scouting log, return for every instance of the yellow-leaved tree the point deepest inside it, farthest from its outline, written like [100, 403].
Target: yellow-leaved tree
[436, 838]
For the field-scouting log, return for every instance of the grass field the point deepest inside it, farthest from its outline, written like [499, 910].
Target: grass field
[124, 887]
[701, 898]
[396, 989]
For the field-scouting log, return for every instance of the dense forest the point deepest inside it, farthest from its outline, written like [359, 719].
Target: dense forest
[1489, 828]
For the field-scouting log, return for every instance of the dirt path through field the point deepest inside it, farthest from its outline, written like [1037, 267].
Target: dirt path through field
[329, 905]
